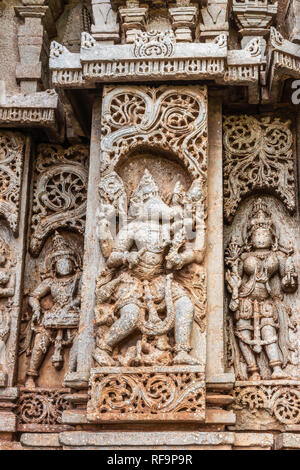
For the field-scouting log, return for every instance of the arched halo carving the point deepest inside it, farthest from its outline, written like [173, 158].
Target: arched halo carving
[173, 119]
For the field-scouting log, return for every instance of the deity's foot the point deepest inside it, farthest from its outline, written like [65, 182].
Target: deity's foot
[103, 359]
[279, 374]
[182, 357]
[30, 383]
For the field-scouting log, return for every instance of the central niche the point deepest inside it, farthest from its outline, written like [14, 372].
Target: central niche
[150, 297]
[167, 175]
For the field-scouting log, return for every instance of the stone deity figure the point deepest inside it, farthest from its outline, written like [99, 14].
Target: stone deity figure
[54, 326]
[7, 291]
[261, 320]
[139, 292]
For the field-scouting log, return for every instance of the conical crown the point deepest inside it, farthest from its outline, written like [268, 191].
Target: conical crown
[260, 216]
[60, 246]
[146, 185]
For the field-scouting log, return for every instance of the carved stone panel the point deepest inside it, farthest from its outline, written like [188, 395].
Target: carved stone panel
[41, 409]
[12, 147]
[51, 305]
[258, 154]
[150, 297]
[262, 267]
[267, 404]
[147, 393]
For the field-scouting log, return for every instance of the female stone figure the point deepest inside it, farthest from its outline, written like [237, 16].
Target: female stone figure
[261, 321]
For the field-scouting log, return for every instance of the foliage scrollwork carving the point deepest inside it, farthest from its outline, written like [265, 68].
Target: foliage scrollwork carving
[12, 146]
[281, 401]
[59, 199]
[258, 156]
[172, 119]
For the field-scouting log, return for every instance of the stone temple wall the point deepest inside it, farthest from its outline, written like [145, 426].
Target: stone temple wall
[149, 224]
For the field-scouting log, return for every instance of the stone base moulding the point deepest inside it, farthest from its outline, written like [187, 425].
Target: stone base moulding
[146, 394]
[280, 398]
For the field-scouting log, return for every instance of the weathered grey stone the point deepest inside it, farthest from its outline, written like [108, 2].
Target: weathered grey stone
[132, 310]
[154, 440]
[40, 440]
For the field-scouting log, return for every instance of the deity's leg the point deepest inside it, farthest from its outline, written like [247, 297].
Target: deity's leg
[268, 332]
[118, 331]
[41, 344]
[249, 357]
[184, 317]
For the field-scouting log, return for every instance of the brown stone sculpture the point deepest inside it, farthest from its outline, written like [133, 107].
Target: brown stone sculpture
[143, 294]
[261, 319]
[56, 325]
[7, 291]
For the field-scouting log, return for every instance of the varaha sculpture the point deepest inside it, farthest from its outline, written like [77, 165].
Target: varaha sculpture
[145, 295]
[149, 224]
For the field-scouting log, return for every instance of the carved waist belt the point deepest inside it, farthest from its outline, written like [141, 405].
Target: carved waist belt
[61, 319]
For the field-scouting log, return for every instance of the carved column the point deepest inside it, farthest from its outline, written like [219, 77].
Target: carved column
[15, 154]
[292, 21]
[254, 18]
[39, 20]
[184, 17]
[215, 366]
[105, 27]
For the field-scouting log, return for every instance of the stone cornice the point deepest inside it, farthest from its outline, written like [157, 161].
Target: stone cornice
[41, 109]
[155, 56]
[283, 62]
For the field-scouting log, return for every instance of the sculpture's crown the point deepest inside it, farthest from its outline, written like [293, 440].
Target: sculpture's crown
[146, 185]
[60, 246]
[260, 216]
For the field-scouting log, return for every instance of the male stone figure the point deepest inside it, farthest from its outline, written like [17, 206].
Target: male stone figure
[63, 283]
[145, 255]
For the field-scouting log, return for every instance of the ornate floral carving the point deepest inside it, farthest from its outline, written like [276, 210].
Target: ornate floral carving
[174, 119]
[59, 198]
[262, 321]
[154, 44]
[43, 406]
[258, 155]
[12, 147]
[56, 325]
[282, 401]
[254, 47]
[167, 394]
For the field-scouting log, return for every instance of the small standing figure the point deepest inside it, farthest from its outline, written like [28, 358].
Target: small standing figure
[261, 320]
[7, 291]
[62, 281]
